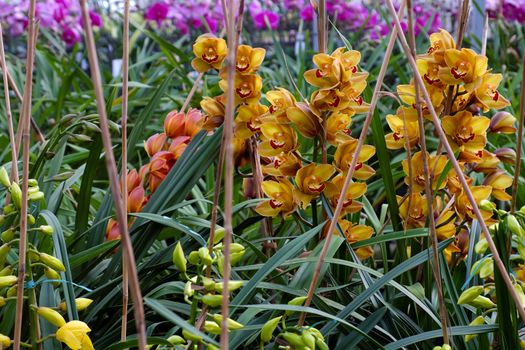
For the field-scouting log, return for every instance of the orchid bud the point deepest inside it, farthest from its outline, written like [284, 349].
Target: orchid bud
[4, 177]
[212, 327]
[514, 226]
[8, 209]
[81, 304]
[476, 322]
[520, 293]
[32, 183]
[179, 260]
[237, 251]
[219, 234]
[487, 205]
[481, 246]
[46, 229]
[231, 324]
[37, 196]
[470, 294]
[191, 336]
[8, 235]
[6, 271]
[51, 316]
[308, 339]
[295, 340]
[188, 291]
[4, 250]
[11, 292]
[176, 340]
[208, 283]
[16, 195]
[482, 302]
[487, 268]
[205, 256]
[52, 275]
[7, 281]
[194, 257]
[211, 347]
[232, 286]
[5, 340]
[506, 155]
[31, 219]
[212, 300]
[52, 262]
[299, 301]
[268, 329]
[2, 301]
[503, 122]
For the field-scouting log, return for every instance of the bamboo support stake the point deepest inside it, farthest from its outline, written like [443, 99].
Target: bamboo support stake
[455, 164]
[124, 170]
[428, 189]
[111, 166]
[348, 179]
[25, 116]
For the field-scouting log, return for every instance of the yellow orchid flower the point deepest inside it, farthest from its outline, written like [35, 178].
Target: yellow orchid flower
[499, 181]
[407, 94]
[307, 123]
[355, 190]
[337, 126]
[462, 100]
[488, 163]
[248, 120]
[277, 139]
[215, 110]
[241, 151]
[282, 199]
[75, 335]
[466, 133]
[5, 340]
[439, 43]
[397, 138]
[445, 226]
[247, 88]
[436, 164]
[355, 233]
[487, 93]
[453, 181]
[81, 303]
[416, 215]
[503, 123]
[328, 73]
[311, 181]
[282, 165]
[520, 272]
[329, 100]
[209, 51]
[249, 59]
[463, 66]
[429, 71]
[465, 209]
[280, 100]
[343, 159]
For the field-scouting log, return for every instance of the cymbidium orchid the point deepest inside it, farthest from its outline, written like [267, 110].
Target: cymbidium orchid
[463, 66]
[402, 130]
[280, 100]
[249, 59]
[435, 164]
[209, 51]
[282, 165]
[466, 133]
[307, 122]
[356, 233]
[277, 139]
[249, 119]
[487, 94]
[499, 181]
[311, 181]
[247, 88]
[355, 190]
[282, 198]
[343, 159]
[338, 126]
[75, 335]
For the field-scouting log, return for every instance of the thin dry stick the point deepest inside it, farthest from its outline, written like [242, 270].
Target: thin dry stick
[455, 164]
[228, 176]
[485, 35]
[428, 190]
[348, 179]
[192, 92]
[519, 146]
[111, 167]
[10, 129]
[124, 171]
[25, 116]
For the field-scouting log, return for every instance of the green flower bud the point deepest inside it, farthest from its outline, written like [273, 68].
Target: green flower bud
[299, 301]
[232, 286]
[268, 329]
[7, 281]
[520, 293]
[321, 344]
[6, 271]
[191, 336]
[16, 195]
[295, 340]
[487, 268]
[220, 263]
[31, 219]
[179, 260]
[8, 235]
[237, 251]
[205, 256]
[4, 250]
[219, 234]
[52, 275]
[8, 209]
[11, 292]
[46, 229]
[212, 327]
[476, 322]
[231, 323]
[514, 226]
[470, 294]
[176, 340]
[32, 183]
[481, 246]
[208, 284]
[194, 258]
[37, 196]
[211, 347]
[31, 190]
[486, 205]
[52, 262]
[188, 292]
[446, 347]
[2, 301]
[212, 300]
[4, 177]
[2, 219]
[482, 302]
[51, 316]
[308, 339]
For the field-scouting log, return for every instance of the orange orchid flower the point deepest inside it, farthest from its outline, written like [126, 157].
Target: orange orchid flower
[248, 120]
[159, 167]
[307, 123]
[136, 200]
[466, 133]
[249, 59]
[414, 216]
[344, 154]
[328, 73]
[487, 164]
[156, 143]
[247, 88]
[283, 165]
[210, 52]
[280, 100]
[439, 43]
[465, 209]
[282, 199]
[277, 139]
[436, 164]
[355, 191]
[311, 181]
[214, 113]
[356, 233]
[337, 126]
[180, 124]
[463, 66]
[487, 93]
[397, 138]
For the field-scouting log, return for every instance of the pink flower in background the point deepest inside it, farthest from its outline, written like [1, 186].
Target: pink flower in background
[307, 13]
[157, 12]
[260, 20]
[96, 20]
[70, 36]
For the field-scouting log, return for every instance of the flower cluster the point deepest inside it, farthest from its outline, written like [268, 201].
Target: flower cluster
[60, 16]
[461, 87]
[511, 10]
[163, 149]
[291, 182]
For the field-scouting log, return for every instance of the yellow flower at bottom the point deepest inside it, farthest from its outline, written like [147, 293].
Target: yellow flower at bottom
[5, 340]
[74, 335]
